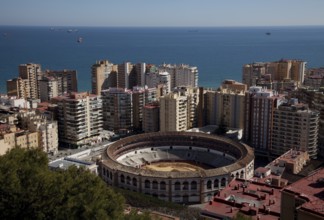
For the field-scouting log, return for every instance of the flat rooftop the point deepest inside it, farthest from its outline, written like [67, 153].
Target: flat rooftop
[310, 188]
[67, 162]
[246, 196]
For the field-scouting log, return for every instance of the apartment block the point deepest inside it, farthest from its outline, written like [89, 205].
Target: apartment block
[314, 78]
[79, 118]
[11, 137]
[173, 112]
[117, 110]
[181, 75]
[138, 78]
[51, 83]
[192, 95]
[124, 70]
[295, 126]
[103, 76]
[278, 71]
[26, 85]
[260, 104]
[140, 97]
[67, 80]
[46, 128]
[49, 88]
[251, 73]
[157, 79]
[233, 85]
[18, 87]
[315, 100]
[32, 73]
[293, 161]
[13, 101]
[304, 199]
[224, 106]
[151, 117]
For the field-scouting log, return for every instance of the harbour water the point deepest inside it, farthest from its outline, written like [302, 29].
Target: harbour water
[218, 52]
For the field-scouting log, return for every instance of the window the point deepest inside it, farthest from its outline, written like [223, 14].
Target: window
[177, 186]
[128, 180]
[223, 182]
[185, 185]
[216, 183]
[134, 182]
[162, 186]
[209, 184]
[155, 185]
[147, 184]
[193, 185]
[122, 178]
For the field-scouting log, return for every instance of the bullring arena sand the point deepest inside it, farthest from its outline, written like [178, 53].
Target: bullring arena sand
[173, 166]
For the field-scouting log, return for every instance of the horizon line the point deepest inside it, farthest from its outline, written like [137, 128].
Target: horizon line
[122, 26]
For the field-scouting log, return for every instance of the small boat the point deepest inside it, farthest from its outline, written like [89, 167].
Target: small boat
[268, 33]
[80, 40]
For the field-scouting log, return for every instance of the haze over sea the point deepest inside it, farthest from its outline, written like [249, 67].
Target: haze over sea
[218, 52]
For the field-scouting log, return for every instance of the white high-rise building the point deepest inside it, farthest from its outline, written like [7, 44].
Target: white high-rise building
[117, 109]
[79, 118]
[225, 107]
[181, 75]
[154, 79]
[295, 126]
[192, 95]
[173, 112]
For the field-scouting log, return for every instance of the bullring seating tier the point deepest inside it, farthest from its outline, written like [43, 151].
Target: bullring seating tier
[143, 156]
[240, 154]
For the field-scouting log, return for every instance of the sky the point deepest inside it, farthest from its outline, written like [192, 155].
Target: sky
[157, 13]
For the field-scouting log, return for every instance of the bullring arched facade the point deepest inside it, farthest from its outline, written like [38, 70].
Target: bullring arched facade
[121, 165]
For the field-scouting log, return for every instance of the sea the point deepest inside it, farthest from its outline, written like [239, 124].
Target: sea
[218, 52]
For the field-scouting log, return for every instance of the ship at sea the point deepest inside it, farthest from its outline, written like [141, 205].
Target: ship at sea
[80, 40]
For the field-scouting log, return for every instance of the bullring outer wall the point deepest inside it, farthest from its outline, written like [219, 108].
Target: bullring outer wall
[180, 187]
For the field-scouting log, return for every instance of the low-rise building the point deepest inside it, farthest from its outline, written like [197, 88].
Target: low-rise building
[14, 101]
[255, 199]
[67, 162]
[292, 161]
[47, 129]
[11, 137]
[304, 199]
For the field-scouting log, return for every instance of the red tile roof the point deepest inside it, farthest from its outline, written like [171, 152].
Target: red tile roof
[252, 198]
[310, 188]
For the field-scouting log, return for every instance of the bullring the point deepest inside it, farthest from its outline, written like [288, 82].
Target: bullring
[181, 167]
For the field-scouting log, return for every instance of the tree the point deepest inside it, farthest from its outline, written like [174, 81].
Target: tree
[29, 190]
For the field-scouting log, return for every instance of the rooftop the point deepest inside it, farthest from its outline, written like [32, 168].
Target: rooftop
[67, 162]
[251, 198]
[310, 188]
